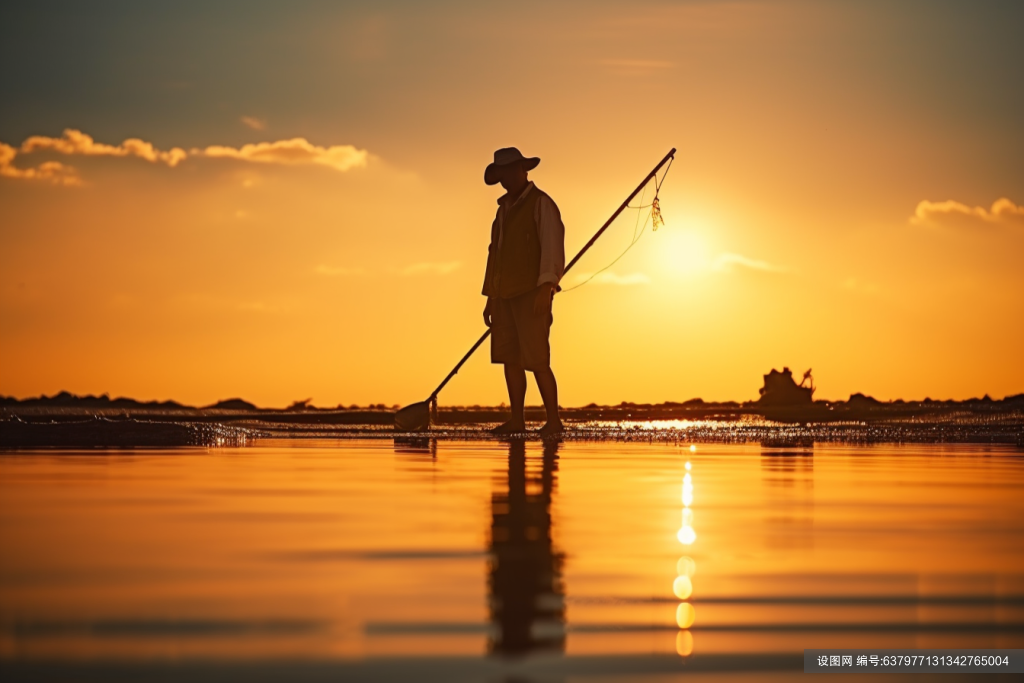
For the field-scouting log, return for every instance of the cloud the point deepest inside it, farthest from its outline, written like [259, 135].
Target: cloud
[726, 262]
[52, 171]
[334, 271]
[432, 268]
[607, 278]
[954, 214]
[292, 152]
[254, 123]
[77, 142]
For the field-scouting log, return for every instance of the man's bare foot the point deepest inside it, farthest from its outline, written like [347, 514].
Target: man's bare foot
[551, 429]
[510, 427]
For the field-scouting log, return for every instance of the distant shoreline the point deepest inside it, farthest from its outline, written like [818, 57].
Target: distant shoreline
[66, 403]
[858, 407]
[67, 421]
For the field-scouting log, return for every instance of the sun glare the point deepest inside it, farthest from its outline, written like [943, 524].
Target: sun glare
[683, 251]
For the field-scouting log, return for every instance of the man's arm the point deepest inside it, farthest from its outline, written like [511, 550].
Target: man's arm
[487, 289]
[551, 234]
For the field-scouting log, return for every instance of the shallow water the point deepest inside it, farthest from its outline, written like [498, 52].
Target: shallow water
[489, 561]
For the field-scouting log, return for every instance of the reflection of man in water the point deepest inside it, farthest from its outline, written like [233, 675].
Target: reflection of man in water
[525, 261]
[525, 575]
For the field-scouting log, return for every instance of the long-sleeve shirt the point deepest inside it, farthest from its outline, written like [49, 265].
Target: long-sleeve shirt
[550, 234]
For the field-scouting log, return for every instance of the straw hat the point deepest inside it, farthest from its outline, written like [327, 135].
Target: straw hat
[504, 157]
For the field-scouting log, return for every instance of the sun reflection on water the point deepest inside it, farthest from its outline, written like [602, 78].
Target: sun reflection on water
[663, 425]
[685, 615]
[684, 643]
[682, 587]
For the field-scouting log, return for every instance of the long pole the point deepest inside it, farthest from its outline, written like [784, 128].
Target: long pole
[571, 263]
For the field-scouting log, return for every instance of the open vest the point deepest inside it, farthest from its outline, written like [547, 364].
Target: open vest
[514, 267]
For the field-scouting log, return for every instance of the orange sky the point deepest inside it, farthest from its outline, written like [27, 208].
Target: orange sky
[846, 197]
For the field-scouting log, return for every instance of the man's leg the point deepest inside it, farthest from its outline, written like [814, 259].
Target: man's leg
[505, 350]
[533, 331]
[549, 393]
[515, 380]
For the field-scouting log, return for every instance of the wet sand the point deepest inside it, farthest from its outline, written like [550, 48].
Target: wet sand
[356, 559]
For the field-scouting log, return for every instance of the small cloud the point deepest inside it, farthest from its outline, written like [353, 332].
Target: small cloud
[334, 271]
[52, 171]
[76, 142]
[254, 123]
[294, 152]
[432, 268]
[954, 214]
[726, 262]
[607, 278]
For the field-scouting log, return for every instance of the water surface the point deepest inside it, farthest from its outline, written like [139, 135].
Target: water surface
[489, 561]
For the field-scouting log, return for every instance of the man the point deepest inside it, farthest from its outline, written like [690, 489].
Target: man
[524, 264]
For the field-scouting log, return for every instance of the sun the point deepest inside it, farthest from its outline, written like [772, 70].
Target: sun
[682, 251]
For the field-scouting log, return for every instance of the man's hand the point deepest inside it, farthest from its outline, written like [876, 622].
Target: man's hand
[488, 310]
[542, 304]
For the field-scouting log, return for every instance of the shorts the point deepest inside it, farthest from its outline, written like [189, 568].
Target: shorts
[518, 336]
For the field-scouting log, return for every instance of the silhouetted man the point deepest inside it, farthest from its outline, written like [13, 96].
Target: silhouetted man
[525, 261]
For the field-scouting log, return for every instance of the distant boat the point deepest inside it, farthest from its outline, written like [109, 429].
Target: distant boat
[783, 400]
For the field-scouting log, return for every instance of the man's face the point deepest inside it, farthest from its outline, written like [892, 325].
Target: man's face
[512, 176]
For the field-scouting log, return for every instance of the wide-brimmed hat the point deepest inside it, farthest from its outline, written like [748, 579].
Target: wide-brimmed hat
[504, 157]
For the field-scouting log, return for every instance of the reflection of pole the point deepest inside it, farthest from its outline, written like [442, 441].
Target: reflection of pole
[527, 597]
[685, 569]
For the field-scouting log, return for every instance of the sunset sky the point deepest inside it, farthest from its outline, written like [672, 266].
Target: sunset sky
[281, 201]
